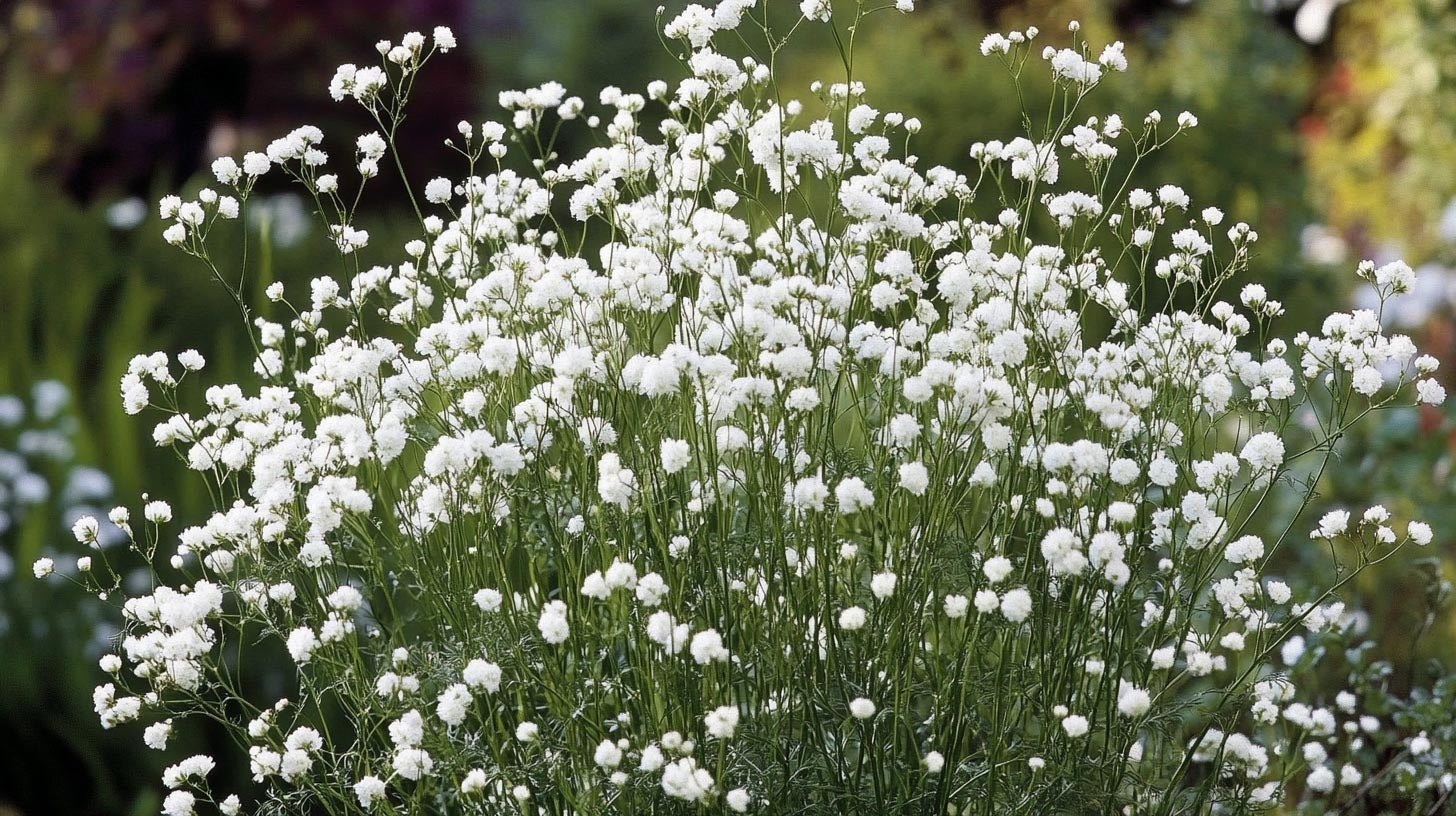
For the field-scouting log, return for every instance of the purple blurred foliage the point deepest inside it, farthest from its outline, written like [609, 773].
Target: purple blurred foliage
[130, 95]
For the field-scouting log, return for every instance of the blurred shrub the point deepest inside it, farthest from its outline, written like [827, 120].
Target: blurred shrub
[1382, 133]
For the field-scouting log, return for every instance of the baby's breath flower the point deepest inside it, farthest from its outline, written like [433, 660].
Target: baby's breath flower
[1075, 725]
[882, 585]
[1016, 605]
[698, 446]
[1419, 532]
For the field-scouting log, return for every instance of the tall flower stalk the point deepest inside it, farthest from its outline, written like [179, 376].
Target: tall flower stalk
[739, 464]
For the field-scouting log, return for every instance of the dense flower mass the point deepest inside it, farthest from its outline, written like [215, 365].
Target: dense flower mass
[745, 462]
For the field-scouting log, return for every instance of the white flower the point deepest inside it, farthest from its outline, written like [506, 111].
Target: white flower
[179, 803]
[191, 360]
[1419, 744]
[1279, 592]
[43, 567]
[684, 780]
[226, 170]
[1162, 472]
[1332, 524]
[733, 342]
[408, 730]
[1016, 605]
[156, 735]
[86, 529]
[615, 483]
[482, 674]
[707, 647]
[1430, 392]
[607, 755]
[853, 496]
[1075, 725]
[1112, 57]
[994, 44]
[1069, 64]
[914, 478]
[1419, 532]
[301, 644]
[987, 601]
[721, 722]
[861, 708]
[255, 164]
[997, 569]
[1263, 451]
[488, 600]
[368, 790]
[956, 606]
[818, 10]
[552, 624]
[413, 763]
[1366, 380]
[438, 190]
[882, 585]
[1292, 650]
[474, 782]
[157, 512]
[1244, 550]
[675, 455]
[651, 589]
[809, 493]
[1124, 471]
[652, 759]
[1132, 702]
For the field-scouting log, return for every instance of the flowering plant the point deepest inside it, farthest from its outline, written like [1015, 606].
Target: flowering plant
[743, 465]
[41, 484]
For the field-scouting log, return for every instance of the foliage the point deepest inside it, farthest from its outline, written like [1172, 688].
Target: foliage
[1383, 127]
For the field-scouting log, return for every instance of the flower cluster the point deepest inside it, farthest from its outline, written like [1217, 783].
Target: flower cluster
[744, 462]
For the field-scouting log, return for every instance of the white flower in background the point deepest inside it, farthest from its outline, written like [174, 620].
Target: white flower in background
[861, 708]
[1075, 725]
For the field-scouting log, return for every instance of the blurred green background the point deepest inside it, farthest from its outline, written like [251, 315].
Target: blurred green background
[1330, 126]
